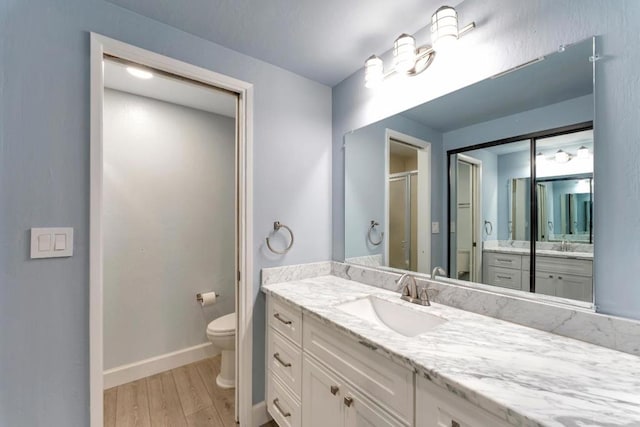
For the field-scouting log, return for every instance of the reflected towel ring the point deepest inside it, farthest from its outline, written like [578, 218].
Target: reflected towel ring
[277, 226]
[488, 228]
[374, 224]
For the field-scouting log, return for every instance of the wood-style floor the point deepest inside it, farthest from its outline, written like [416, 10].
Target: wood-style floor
[186, 396]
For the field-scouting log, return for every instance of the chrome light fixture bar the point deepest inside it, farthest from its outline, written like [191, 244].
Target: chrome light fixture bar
[411, 60]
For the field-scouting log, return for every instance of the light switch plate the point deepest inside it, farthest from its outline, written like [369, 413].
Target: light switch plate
[435, 228]
[51, 242]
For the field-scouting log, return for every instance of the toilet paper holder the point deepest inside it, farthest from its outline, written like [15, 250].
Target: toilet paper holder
[200, 299]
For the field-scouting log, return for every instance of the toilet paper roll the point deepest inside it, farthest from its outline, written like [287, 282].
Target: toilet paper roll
[207, 298]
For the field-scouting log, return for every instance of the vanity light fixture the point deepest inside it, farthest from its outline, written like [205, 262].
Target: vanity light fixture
[139, 73]
[562, 156]
[411, 60]
[540, 157]
[583, 152]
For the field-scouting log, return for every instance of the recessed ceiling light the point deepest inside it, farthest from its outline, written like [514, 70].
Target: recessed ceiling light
[139, 73]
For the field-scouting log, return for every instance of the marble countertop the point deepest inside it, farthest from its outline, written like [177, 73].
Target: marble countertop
[545, 252]
[522, 375]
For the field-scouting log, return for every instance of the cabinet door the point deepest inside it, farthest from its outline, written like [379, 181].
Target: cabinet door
[545, 283]
[574, 287]
[362, 412]
[322, 396]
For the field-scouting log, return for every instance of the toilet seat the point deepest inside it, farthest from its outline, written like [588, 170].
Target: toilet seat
[224, 325]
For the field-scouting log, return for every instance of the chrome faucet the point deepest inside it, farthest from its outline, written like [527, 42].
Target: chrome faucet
[438, 271]
[410, 290]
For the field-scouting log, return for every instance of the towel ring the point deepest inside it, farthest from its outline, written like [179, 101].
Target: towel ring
[371, 228]
[488, 228]
[277, 226]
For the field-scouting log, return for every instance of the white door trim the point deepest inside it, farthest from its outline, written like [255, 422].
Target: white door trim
[476, 274]
[424, 197]
[244, 295]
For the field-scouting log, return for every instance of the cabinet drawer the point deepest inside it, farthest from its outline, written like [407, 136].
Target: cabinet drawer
[285, 319]
[556, 265]
[283, 407]
[388, 384]
[505, 277]
[437, 407]
[503, 260]
[284, 360]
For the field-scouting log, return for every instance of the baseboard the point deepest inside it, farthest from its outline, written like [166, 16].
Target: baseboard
[144, 368]
[260, 414]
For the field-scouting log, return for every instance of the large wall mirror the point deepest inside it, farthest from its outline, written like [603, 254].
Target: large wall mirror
[494, 182]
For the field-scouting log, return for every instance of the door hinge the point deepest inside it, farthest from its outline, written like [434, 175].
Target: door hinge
[238, 275]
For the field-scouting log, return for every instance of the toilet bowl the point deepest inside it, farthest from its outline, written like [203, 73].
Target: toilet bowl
[222, 334]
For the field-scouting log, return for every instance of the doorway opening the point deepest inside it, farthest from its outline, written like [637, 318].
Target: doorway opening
[170, 303]
[408, 203]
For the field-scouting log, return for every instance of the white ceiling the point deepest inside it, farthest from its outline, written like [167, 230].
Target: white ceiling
[325, 41]
[169, 89]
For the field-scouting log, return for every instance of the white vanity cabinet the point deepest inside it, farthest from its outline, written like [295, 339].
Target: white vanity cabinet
[284, 363]
[502, 269]
[436, 407]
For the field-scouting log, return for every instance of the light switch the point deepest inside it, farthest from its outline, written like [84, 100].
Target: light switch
[435, 228]
[44, 242]
[60, 242]
[51, 242]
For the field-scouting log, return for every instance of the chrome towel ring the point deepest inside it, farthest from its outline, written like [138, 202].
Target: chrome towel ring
[488, 228]
[372, 227]
[277, 226]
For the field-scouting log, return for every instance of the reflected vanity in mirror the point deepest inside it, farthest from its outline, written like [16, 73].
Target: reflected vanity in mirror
[506, 163]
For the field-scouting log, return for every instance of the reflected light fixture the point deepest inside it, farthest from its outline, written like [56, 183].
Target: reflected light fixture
[583, 152]
[562, 156]
[139, 73]
[539, 157]
[411, 60]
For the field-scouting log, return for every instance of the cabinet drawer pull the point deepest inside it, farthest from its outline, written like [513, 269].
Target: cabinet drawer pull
[283, 320]
[334, 389]
[282, 362]
[348, 401]
[551, 276]
[504, 277]
[277, 405]
[504, 260]
[559, 277]
[368, 345]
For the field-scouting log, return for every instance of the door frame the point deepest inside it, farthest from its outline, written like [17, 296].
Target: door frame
[476, 176]
[101, 45]
[424, 197]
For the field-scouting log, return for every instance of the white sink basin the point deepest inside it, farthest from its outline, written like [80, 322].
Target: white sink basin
[390, 315]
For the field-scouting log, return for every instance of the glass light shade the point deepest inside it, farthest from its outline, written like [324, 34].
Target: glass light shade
[583, 152]
[562, 156]
[373, 72]
[404, 53]
[139, 73]
[444, 27]
[539, 157]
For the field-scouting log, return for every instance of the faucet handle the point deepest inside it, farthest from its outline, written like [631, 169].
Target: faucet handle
[424, 296]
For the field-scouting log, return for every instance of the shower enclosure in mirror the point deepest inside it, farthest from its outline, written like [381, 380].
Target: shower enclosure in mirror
[509, 200]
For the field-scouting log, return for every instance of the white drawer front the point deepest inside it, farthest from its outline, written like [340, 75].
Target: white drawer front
[285, 319]
[283, 407]
[505, 277]
[388, 384]
[579, 267]
[503, 260]
[284, 359]
[437, 407]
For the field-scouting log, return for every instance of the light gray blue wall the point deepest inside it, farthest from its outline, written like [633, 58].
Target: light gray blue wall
[512, 165]
[365, 183]
[44, 181]
[510, 33]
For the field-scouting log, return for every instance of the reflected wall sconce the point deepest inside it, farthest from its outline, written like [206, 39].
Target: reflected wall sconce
[583, 152]
[562, 156]
[411, 60]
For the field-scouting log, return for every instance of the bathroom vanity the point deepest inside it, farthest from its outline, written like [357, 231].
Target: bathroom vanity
[340, 352]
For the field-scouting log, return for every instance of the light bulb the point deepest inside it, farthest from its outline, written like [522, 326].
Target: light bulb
[373, 72]
[583, 152]
[404, 53]
[562, 156]
[444, 27]
[139, 73]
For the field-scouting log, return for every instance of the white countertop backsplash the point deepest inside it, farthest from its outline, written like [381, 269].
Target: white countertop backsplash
[525, 376]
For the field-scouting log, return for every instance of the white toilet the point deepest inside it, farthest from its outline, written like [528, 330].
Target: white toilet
[222, 334]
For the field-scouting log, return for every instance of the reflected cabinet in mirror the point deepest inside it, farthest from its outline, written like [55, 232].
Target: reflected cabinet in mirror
[493, 182]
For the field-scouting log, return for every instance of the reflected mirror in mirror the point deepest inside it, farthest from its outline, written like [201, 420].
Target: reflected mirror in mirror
[504, 191]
